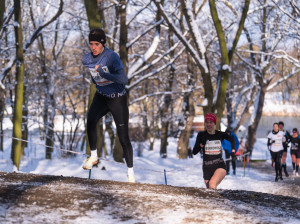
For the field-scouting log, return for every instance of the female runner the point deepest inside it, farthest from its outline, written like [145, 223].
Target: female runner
[209, 142]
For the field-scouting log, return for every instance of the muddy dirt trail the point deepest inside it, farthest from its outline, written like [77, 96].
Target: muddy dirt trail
[30, 198]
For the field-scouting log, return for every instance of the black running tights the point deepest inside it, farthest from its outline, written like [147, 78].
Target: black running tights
[118, 107]
[276, 156]
[228, 155]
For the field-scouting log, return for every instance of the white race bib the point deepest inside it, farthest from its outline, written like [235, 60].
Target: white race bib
[294, 146]
[100, 81]
[213, 147]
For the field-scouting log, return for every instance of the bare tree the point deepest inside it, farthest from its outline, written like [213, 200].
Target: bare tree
[261, 62]
[17, 117]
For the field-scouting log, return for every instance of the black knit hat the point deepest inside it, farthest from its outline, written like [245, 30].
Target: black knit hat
[97, 35]
[227, 130]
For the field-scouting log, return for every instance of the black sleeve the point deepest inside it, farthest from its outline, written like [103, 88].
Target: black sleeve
[269, 142]
[288, 137]
[228, 138]
[197, 147]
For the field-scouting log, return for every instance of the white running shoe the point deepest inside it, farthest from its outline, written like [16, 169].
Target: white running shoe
[294, 172]
[131, 179]
[90, 162]
[131, 175]
[297, 174]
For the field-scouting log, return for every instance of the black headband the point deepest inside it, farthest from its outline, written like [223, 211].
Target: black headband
[97, 35]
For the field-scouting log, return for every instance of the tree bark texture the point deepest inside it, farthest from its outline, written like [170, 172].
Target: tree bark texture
[93, 15]
[2, 10]
[167, 103]
[225, 56]
[19, 89]
[123, 52]
[2, 106]
[188, 113]
[251, 138]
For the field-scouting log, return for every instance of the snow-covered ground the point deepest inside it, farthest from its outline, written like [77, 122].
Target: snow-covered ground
[149, 168]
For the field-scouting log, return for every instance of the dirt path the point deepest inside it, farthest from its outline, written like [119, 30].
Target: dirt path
[266, 168]
[29, 198]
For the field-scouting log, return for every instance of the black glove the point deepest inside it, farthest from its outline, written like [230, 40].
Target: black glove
[273, 141]
[233, 156]
[201, 152]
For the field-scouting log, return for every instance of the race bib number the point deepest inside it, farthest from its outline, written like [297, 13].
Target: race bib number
[100, 81]
[105, 69]
[294, 146]
[213, 147]
[278, 142]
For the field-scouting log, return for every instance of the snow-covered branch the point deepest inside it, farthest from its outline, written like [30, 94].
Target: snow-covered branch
[138, 12]
[41, 27]
[164, 93]
[136, 82]
[6, 20]
[128, 45]
[287, 13]
[294, 71]
[156, 60]
[146, 56]
[33, 37]
[8, 67]
[279, 54]
[200, 62]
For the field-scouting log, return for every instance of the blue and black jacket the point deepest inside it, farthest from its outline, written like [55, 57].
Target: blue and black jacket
[110, 77]
[226, 145]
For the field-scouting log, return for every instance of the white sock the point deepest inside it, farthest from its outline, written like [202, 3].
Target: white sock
[130, 171]
[94, 153]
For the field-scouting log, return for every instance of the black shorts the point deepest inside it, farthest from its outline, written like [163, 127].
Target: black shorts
[209, 170]
[296, 153]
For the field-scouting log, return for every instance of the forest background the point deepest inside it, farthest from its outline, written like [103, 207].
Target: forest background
[183, 58]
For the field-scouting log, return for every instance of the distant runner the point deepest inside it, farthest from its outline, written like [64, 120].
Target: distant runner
[276, 139]
[285, 146]
[295, 151]
[227, 148]
[209, 143]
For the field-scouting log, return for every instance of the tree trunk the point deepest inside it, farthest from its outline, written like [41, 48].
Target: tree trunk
[2, 10]
[188, 113]
[17, 114]
[2, 106]
[1, 133]
[225, 56]
[118, 150]
[2, 91]
[123, 35]
[258, 106]
[110, 131]
[25, 117]
[50, 133]
[100, 142]
[263, 84]
[93, 16]
[167, 101]
[91, 7]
